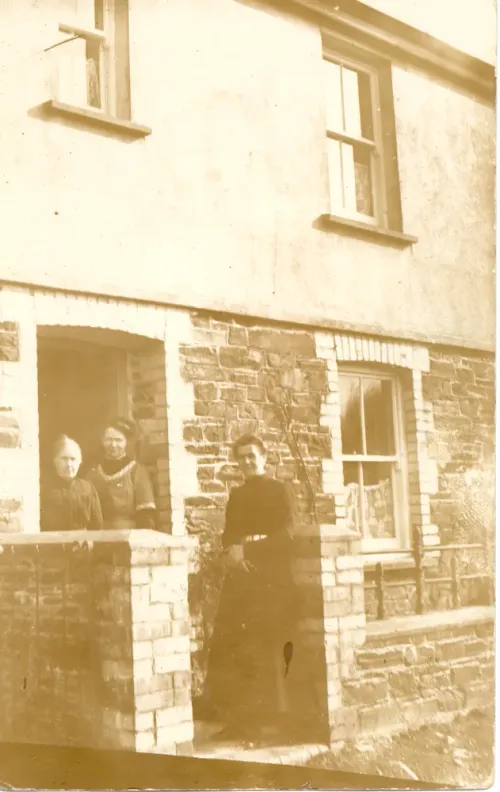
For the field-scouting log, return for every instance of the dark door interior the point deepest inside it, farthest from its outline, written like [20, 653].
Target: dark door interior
[77, 391]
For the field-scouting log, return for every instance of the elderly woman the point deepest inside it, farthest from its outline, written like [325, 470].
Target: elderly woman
[123, 485]
[68, 503]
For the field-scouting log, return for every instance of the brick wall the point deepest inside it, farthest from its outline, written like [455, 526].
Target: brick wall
[94, 641]
[419, 670]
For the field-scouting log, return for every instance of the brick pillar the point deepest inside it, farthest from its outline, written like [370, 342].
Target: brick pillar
[341, 563]
[344, 620]
[161, 643]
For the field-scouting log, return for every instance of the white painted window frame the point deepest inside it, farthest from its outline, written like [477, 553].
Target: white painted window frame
[83, 28]
[400, 480]
[379, 187]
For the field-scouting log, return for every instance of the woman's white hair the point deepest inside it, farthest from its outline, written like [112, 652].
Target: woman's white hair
[63, 442]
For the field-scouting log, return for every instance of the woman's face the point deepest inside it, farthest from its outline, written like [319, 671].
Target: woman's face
[114, 444]
[251, 460]
[68, 461]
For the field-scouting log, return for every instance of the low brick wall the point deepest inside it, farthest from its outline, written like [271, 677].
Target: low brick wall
[94, 647]
[417, 670]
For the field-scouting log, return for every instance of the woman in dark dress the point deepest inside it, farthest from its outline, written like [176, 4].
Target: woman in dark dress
[124, 486]
[254, 625]
[68, 503]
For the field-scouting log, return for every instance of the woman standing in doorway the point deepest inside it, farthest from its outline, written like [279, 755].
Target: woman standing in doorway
[68, 503]
[124, 487]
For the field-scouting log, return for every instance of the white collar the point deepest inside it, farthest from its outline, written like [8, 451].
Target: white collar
[120, 473]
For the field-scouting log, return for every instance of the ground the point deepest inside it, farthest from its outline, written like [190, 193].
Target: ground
[460, 753]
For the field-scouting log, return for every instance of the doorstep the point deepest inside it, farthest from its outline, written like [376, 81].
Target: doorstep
[205, 747]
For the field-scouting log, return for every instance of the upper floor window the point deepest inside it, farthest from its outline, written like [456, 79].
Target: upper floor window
[361, 145]
[373, 458]
[94, 63]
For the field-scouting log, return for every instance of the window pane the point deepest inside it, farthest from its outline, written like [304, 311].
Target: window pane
[357, 181]
[363, 181]
[379, 419]
[94, 73]
[378, 501]
[352, 495]
[350, 407]
[335, 176]
[349, 177]
[333, 96]
[352, 113]
[366, 105]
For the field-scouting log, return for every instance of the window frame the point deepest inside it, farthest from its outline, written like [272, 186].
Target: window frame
[386, 190]
[113, 102]
[399, 461]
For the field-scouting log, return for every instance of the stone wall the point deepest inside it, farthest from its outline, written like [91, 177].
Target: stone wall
[459, 398]
[94, 640]
[461, 389]
[417, 670]
[237, 372]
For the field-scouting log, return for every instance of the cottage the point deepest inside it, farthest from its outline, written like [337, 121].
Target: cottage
[225, 216]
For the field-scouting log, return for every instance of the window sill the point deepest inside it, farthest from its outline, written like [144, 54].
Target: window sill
[94, 118]
[355, 228]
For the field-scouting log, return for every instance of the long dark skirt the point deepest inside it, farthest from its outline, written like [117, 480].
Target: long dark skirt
[246, 663]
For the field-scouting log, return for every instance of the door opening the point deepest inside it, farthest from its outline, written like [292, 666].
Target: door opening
[80, 386]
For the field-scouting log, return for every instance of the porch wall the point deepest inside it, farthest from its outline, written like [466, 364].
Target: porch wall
[95, 641]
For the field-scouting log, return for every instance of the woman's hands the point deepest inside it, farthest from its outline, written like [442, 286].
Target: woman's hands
[234, 559]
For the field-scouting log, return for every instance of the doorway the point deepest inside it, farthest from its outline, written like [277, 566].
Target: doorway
[81, 384]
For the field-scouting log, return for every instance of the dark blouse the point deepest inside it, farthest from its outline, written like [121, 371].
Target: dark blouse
[262, 505]
[126, 494]
[70, 506]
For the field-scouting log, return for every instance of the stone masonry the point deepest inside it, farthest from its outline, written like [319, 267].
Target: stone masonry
[420, 670]
[458, 393]
[283, 384]
[195, 384]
